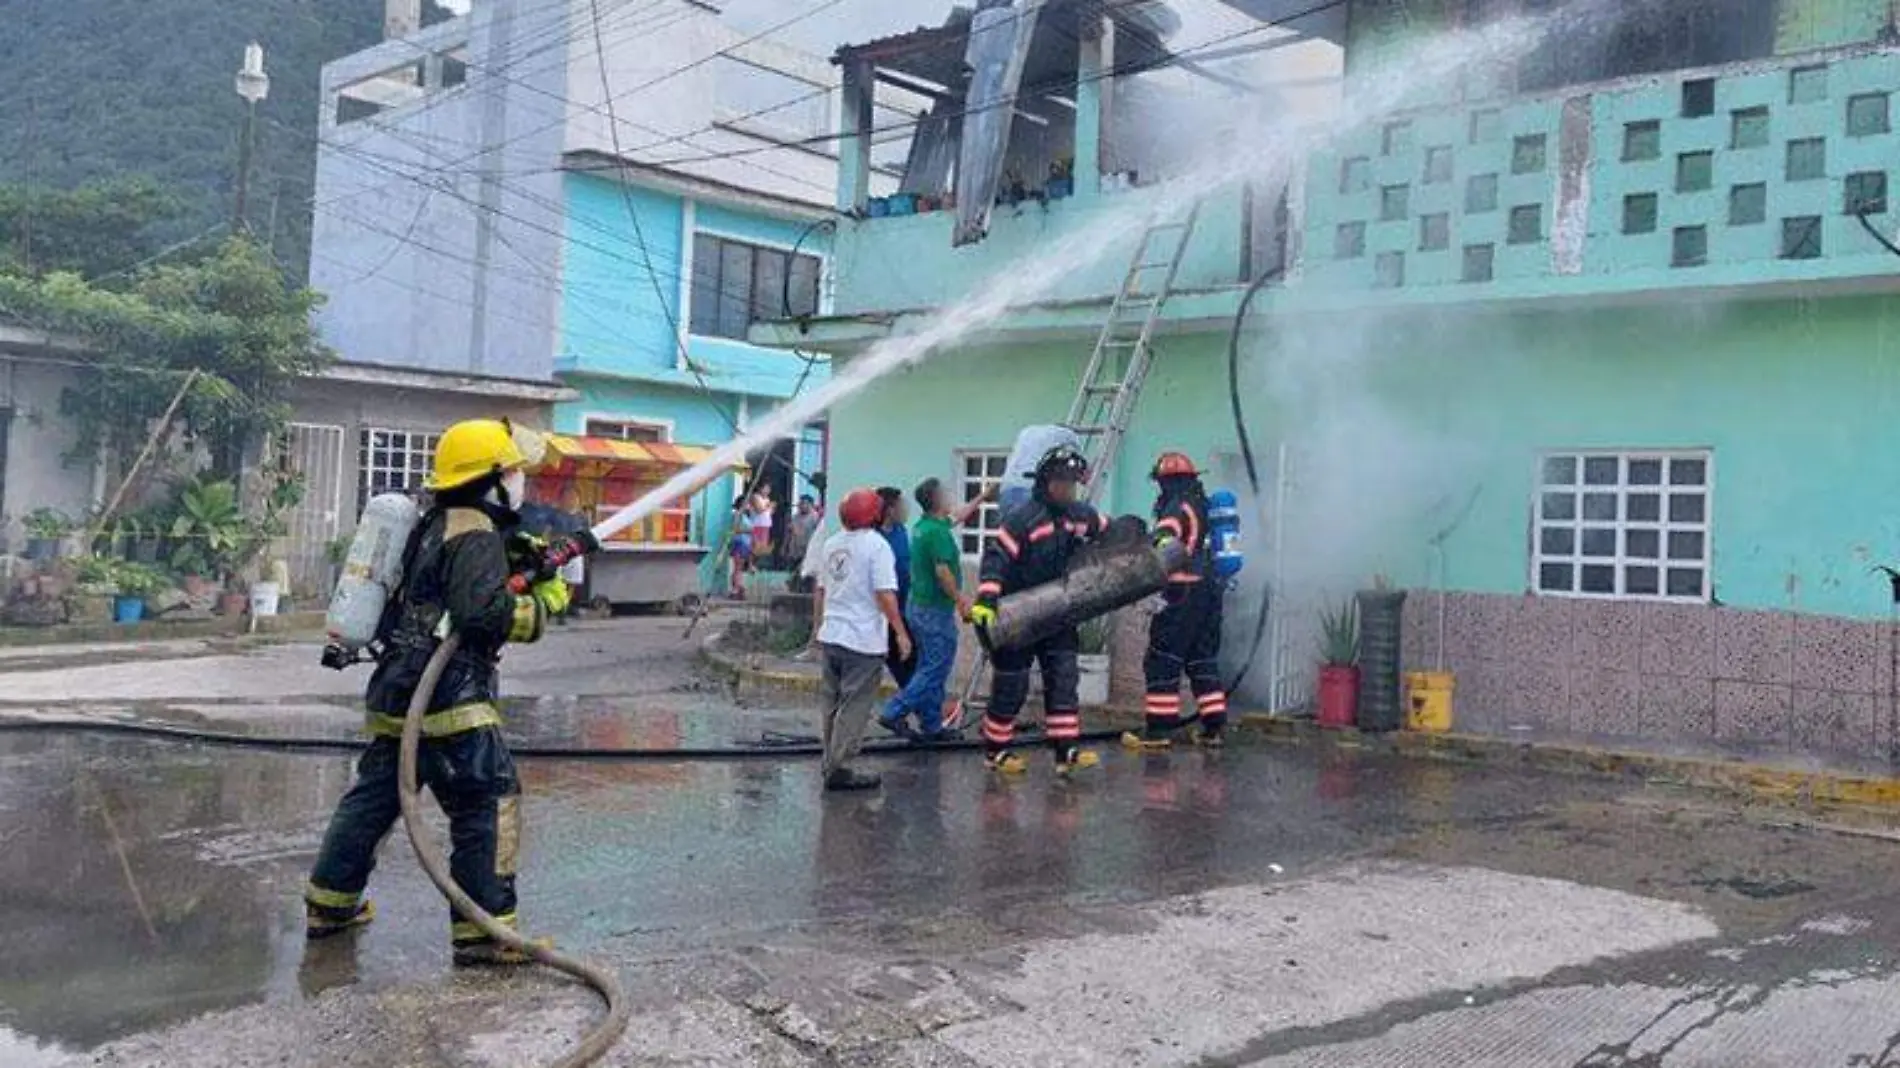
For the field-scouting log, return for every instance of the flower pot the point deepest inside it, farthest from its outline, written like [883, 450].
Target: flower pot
[233, 604]
[128, 609]
[1338, 697]
[42, 548]
[92, 608]
[197, 586]
[264, 597]
[1092, 687]
[1059, 188]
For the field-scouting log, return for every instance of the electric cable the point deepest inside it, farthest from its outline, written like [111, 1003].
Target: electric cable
[1247, 457]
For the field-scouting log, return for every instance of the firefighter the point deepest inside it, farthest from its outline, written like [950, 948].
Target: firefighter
[455, 575]
[1034, 546]
[1184, 637]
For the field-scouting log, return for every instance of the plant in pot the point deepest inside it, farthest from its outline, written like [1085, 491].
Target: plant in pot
[45, 528]
[95, 584]
[1339, 667]
[135, 582]
[207, 536]
[1092, 661]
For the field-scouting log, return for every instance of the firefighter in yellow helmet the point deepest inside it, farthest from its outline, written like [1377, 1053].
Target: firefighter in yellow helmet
[455, 576]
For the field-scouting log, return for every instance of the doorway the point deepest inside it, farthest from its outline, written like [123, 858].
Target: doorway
[773, 468]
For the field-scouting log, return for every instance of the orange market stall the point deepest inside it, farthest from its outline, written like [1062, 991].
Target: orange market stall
[653, 562]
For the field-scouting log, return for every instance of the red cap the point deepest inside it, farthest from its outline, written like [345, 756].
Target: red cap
[861, 509]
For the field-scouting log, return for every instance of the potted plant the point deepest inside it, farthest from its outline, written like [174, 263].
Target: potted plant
[45, 527]
[207, 535]
[95, 584]
[1091, 661]
[1339, 667]
[135, 582]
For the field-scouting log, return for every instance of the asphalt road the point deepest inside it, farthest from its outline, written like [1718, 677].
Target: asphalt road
[1271, 905]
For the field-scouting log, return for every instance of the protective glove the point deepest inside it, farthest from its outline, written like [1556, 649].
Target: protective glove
[554, 594]
[983, 615]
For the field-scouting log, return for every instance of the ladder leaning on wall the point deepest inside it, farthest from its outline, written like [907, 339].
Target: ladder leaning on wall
[1112, 380]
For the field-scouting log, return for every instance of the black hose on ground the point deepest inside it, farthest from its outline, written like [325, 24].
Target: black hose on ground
[1246, 455]
[609, 1030]
[788, 746]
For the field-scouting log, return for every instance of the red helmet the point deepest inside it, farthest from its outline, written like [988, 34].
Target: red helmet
[861, 509]
[1174, 465]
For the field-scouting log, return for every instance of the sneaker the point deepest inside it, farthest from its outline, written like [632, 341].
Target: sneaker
[321, 924]
[852, 779]
[899, 727]
[488, 954]
[1006, 762]
[1074, 759]
[1142, 740]
[938, 737]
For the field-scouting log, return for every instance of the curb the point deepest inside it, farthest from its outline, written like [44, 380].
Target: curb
[157, 631]
[1715, 774]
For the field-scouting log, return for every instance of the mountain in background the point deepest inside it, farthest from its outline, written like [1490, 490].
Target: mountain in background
[101, 89]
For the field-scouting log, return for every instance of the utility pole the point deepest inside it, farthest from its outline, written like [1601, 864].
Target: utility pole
[253, 85]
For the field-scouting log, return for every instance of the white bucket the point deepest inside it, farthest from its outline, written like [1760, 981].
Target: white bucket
[264, 599]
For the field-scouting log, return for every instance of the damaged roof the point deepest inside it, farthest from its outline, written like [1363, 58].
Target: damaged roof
[935, 53]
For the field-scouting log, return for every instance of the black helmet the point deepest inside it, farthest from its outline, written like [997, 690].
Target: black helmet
[1062, 463]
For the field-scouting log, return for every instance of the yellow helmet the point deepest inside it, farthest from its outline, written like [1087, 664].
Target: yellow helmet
[473, 449]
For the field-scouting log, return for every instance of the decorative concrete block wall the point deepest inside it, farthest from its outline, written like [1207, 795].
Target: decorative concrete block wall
[1691, 673]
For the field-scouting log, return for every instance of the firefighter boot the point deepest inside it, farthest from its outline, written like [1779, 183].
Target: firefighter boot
[1071, 759]
[320, 922]
[492, 954]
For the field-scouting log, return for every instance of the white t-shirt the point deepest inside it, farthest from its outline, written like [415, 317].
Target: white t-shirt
[856, 565]
[814, 552]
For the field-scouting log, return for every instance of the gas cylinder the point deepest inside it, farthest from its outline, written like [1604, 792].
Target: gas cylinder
[371, 571]
[1223, 526]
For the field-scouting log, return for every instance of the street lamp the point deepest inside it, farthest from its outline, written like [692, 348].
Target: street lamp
[253, 85]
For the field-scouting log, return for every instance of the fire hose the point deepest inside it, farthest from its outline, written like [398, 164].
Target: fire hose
[608, 1031]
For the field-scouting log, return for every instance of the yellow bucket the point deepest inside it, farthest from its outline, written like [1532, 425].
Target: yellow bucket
[1428, 701]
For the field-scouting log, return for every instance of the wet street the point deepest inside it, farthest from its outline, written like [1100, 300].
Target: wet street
[1275, 905]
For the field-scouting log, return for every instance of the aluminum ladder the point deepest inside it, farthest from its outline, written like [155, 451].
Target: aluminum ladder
[1117, 368]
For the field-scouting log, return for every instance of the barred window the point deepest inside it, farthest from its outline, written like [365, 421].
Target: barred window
[1623, 524]
[977, 472]
[392, 461]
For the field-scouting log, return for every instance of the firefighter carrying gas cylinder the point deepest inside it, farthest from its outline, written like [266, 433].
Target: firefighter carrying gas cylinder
[1033, 546]
[1184, 637]
[455, 575]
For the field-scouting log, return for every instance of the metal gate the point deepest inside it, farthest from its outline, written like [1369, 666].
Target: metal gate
[316, 453]
[1283, 675]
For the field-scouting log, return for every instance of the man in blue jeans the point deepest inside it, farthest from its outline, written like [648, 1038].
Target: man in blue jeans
[936, 604]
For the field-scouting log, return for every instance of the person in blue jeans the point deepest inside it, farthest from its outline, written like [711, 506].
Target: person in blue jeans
[936, 605]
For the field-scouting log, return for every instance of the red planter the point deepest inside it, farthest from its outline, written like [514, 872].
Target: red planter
[1338, 697]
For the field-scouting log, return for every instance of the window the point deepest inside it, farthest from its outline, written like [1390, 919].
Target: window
[1389, 270]
[1434, 232]
[1641, 141]
[1355, 174]
[1867, 193]
[626, 430]
[736, 284]
[1748, 128]
[1695, 171]
[1487, 124]
[1527, 154]
[1438, 162]
[391, 461]
[1479, 261]
[1807, 85]
[1807, 159]
[1639, 213]
[980, 471]
[1622, 524]
[1689, 246]
[1397, 139]
[1349, 241]
[1867, 115]
[1481, 193]
[1801, 237]
[1748, 204]
[1395, 202]
[1698, 98]
[1526, 225]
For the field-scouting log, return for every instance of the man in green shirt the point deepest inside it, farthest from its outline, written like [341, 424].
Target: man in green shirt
[936, 604]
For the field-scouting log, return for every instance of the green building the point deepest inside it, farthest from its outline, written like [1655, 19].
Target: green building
[1591, 342]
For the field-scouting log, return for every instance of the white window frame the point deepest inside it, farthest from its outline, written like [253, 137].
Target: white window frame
[589, 419]
[1622, 560]
[414, 444]
[989, 515]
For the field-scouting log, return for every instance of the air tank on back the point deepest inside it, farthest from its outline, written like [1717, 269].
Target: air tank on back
[371, 571]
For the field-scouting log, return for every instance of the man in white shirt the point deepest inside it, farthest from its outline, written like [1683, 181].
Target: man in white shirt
[858, 616]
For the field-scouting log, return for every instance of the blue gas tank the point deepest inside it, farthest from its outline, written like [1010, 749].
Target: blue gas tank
[1223, 522]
